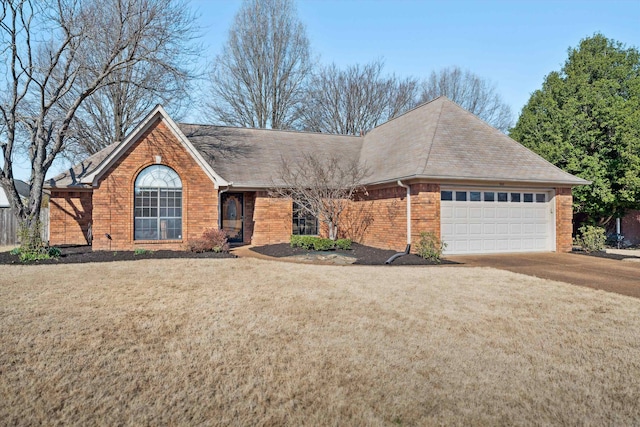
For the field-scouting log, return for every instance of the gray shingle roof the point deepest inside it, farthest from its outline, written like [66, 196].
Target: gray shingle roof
[252, 158]
[73, 176]
[438, 140]
[441, 140]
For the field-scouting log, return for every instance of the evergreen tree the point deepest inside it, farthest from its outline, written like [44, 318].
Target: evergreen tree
[586, 120]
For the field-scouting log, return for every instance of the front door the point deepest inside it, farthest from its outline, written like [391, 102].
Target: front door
[232, 215]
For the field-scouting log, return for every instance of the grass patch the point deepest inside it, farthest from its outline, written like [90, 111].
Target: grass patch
[250, 342]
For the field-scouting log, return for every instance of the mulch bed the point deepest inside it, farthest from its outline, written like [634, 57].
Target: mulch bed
[83, 254]
[365, 255]
[601, 254]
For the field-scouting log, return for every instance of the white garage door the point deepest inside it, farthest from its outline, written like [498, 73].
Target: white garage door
[478, 221]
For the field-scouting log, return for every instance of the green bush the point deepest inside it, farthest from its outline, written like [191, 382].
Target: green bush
[430, 247]
[320, 244]
[35, 254]
[304, 242]
[54, 252]
[295, 241]
[344, 244]
[591, 239]
[141, 251]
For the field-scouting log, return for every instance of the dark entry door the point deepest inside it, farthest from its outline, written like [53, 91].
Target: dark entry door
[232, 215]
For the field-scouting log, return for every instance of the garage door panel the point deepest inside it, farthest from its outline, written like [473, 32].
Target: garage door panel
[489, 212]
[528, 228]
[502, 228]
[461, 212]
[475, 229]
[490, 226]
[461, 229]
[502, 245]
[446, 212]
[475, 213]
[489, 229]
[475, 245]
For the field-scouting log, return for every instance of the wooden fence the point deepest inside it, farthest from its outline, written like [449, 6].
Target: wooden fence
[9, 226]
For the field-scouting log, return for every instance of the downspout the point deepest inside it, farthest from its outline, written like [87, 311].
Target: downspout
[220, 204]
[408, 248]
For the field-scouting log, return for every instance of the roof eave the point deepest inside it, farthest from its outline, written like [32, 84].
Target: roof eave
[573, 183]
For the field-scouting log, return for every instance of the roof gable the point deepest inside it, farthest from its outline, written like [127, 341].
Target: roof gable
[441, 140]
[89, 172]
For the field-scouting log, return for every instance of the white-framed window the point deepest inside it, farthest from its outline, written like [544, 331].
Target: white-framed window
[158, 204]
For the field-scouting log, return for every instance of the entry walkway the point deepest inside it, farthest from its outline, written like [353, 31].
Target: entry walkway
[622, 277]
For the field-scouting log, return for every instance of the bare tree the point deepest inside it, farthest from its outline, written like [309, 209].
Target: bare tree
[111, 112]
[56, 54]
[356, 99]
[322, 187]
[472, 93]
[258, 79]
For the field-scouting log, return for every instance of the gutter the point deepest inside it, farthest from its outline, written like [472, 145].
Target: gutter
[408, 248]
[220, 204]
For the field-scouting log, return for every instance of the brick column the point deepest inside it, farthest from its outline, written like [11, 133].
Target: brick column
[564, 219]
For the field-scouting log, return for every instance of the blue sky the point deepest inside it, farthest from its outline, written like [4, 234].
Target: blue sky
[512, 43]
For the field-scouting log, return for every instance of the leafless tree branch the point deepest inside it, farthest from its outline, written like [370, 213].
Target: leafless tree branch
[471, 92]
[322, 187]
[258, 80]
[356, 99]
[56, 54]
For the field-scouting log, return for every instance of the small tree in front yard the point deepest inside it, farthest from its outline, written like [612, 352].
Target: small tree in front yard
[322, 187]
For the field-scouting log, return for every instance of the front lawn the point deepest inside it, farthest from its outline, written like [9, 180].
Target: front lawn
[251, 342]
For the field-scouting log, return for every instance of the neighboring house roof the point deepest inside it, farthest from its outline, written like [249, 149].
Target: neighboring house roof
[438, 140]
[23, 191]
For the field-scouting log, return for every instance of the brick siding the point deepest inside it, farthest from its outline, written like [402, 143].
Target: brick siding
[69, 217]
[272, 219]
[113, 199]
[564, 219]
[379, 218]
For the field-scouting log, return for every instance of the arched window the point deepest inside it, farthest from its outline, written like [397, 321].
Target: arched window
[158, 204]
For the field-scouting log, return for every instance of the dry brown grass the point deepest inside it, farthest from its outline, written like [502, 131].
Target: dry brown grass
[249, 342]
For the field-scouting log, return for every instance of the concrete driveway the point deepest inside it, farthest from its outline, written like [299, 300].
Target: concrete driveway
[619, 276]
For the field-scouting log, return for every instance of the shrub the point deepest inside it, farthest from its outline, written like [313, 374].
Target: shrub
[212, 240]
[294, 241]
[54, 252]
[36, 253]
[304, 242]
[320, 244]
[344, 244]
[591, 238]
[141, 251]
[430, 247]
